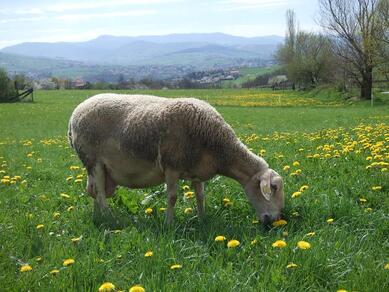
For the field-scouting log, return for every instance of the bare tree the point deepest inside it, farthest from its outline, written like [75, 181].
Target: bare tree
[357, 33]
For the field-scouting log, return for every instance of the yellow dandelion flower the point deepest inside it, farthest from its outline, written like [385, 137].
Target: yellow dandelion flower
[296, 194]
[56, 215]
[137, 288]
[291, 265]
[40, 226]
[368, 210]
[74, 167]
[233, 243]
[65, 196]
[286, 167]
[303, 245]
[29, 155]
[69, 178]
[304, 188]
[362, 200]
[298, 171]
[162, 209]
[5, 181]
[280, 222]
[185, 188]
[107, 287]
[376, 188]
[78, 180]
[386, 266]
[80, 176]
[76, 239]
[188, 210]
[330, 220]
[149, 211]
[253, 242]
[189, 195]
[54, 272]
[25, 268]
[71, 208]
[149, 254]
[220, 238]
[255, 221]
[68, 262]
[341, 290]
[279, 243]
[227, 202]
[310, 233]
[175, 267]
[296, 163]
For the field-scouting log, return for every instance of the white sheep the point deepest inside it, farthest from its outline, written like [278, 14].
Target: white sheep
[141, 141]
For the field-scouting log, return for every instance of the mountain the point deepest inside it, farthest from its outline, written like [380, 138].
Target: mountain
[114, 50]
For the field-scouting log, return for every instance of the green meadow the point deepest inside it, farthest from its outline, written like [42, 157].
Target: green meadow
[332, 154]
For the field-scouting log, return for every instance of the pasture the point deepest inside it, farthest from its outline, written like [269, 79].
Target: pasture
[334, 157]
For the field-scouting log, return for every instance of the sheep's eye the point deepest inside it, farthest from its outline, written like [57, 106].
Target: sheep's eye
[273, 187]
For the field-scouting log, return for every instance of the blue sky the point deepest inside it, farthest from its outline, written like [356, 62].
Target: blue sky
[47, 20]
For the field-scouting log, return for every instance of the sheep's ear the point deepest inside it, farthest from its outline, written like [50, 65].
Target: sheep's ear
[265, 188]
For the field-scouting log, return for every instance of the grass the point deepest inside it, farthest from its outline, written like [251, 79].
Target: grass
[341, 149]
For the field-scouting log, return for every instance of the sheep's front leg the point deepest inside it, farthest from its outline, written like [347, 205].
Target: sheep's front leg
[171, 179]
[199, 191]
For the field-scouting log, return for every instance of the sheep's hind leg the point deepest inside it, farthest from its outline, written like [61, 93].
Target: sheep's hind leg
[199, 191]
[171, 179]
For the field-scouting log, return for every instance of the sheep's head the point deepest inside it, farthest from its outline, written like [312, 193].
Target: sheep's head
[265, 191]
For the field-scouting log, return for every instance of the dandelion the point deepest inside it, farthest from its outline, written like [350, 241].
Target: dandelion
[74, 167]
[304, 188]
[280, 222]
[362, 200]
[69, 178]
[188, 210]
[25, 268]
[189, 195]
[185, 188]
[296, 194]
[341, 290]
[279, 243]
[137, 288]
[76, 239]
[255, 221]
[106, 287]
[78, 180]
[227, 202]
[296, 163]
[303, 245]
[376, 188]
[68, 262]
[291, 265]
[56, 215]
[386, 266]
[162, 209]
[54, 272]
[5, 181]
[65, 196]
[175, 267]
[40, 226]
[71, 208]
[149, 211]
[298, 171]
[253, 242]
[220, 238]
[368, 210]
[286, 167]
[149, 254]
[233, 243]
[310, 233]
[330, 220]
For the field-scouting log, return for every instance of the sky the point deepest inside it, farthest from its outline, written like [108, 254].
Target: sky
[82, 20]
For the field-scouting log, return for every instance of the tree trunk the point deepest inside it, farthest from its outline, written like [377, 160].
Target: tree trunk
[367, 84]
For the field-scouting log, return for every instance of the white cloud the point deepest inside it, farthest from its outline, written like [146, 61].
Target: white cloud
[87, 16]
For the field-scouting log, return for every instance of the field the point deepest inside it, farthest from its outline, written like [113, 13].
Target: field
[249, 74]
[333, 155]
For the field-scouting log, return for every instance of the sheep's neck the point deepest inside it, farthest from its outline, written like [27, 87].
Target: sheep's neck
[244, 165]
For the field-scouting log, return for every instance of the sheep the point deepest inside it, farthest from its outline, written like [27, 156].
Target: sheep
[140, 141]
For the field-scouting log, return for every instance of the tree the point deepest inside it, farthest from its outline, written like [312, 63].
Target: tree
[306, 57]
[357, 31]
[7, 87]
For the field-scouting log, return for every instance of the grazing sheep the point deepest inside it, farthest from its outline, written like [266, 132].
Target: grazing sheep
[141, 141]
